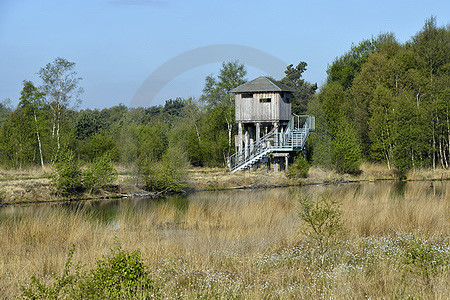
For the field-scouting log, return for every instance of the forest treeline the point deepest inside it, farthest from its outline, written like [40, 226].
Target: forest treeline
[383, 101]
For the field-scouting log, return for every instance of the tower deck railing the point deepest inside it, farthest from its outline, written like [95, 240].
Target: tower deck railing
[292, 139]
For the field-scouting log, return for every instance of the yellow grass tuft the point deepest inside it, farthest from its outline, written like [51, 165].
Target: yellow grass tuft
[244, 243]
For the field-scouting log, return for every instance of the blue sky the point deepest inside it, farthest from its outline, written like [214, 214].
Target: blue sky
[117, 44]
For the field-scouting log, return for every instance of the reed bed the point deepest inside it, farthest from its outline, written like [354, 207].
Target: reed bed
[247, 244]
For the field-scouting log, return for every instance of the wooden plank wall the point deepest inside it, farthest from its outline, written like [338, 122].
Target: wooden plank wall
[252, 110]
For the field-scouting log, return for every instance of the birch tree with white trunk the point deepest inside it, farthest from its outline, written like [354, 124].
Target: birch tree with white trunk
[60, 84]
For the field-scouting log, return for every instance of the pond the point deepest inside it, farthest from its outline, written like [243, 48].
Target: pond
[179, 211]
[242, 243]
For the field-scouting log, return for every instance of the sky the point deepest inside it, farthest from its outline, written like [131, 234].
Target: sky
[123, 48]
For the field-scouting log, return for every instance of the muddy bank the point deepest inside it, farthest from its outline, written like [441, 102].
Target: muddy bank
[29, 186]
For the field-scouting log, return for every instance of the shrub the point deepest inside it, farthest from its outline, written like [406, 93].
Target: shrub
[299, 168]
[324, 227]
[61, 284]
[346, 154]
[423, 259]
[120, 275]
[100, 173]
[168, 174]
[67, 178]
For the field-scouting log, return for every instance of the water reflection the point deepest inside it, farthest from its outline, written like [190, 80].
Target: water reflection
[107, 211]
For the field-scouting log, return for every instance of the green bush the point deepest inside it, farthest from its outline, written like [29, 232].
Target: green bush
[346, 154]
[67, 177]
[61, 285]
[2, 196]
[120, 275]
[423, 259]
[99, 174]
[168, 174]
[324, 227]
[299, 168]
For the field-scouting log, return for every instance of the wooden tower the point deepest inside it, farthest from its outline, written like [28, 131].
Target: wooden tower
[267, 130]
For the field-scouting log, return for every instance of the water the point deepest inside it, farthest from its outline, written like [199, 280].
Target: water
[176, 207]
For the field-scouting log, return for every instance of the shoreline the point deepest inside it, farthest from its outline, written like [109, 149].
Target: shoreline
[24, 188]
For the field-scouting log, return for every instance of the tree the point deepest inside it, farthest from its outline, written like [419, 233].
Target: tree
[67, 177]
[100, 173]
[344, 69]
[346, 153]
[381, 125]
[88, 123]
[174, 108]
[217, 98]
[324, 227]
[231, 75]
[431, 58]
[61, 88]
[5, 109]
[169, 174]
[31, 99]
[299, 168]
[303, 90]
[17, 139]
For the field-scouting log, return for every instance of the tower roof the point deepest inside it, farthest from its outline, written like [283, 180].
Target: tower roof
[261, 84]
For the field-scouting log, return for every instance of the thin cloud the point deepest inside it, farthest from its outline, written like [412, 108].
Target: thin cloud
[154, 3]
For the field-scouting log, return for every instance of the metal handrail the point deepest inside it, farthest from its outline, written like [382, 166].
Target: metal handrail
[286, 140]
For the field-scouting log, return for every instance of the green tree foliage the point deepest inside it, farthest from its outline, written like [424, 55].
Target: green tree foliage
[96, 146]
[152, 140]
[383, 101]
[126, 141]
[336, 144]
[120, 275]
[17, 139]
[99, 174]
[423, 259]
[173, 107]
[344, 69]
[32, 101]
[299, 168]
[215, 91]
[303, 90]
[219, 122]
[324, 227]
[169, 174]
[5, 110]
[67, 177]
[346, 154]
[395, 96]
[60, 84]
[90, 122]
[22, 138]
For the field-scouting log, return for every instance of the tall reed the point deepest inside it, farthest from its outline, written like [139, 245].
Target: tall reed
[242, 243]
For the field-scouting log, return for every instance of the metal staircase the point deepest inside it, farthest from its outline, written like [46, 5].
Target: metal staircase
[293, 139]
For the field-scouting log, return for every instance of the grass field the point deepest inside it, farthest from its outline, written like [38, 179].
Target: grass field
[33, 185]
[250, 244]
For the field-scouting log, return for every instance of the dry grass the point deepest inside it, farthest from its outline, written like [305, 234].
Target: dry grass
[220, 178]
[32, 184]
[242, 243]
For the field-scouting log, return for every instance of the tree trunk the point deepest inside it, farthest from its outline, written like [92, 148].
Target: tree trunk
[38, 139]
[230, 131]
[448, 134]
[433, 150]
